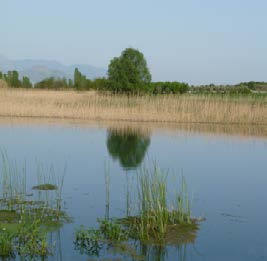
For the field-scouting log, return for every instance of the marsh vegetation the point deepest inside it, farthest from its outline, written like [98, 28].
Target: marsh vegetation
[156, 219]
[27, 218]
[165, 108]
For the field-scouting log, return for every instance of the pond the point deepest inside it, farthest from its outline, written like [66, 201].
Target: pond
[225, 171]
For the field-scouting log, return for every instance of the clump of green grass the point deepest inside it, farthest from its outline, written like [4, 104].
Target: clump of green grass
[6, 243]
[31, 239]
[25, 238]
[156, 222]
[156, 218]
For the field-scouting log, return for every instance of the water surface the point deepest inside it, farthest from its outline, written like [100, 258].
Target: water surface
[226, 176]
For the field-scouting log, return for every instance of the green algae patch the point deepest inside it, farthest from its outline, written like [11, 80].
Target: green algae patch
[45, 186]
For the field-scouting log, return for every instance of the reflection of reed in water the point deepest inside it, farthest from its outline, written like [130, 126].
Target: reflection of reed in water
[161, 253]
[258, 130]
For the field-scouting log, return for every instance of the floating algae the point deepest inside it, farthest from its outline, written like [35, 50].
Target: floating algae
[45, 186]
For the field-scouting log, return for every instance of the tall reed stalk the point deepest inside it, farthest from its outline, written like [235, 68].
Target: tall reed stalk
[156, 216]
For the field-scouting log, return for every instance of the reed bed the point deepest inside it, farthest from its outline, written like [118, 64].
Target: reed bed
[92, 105]
[26, 219]
[157, 220]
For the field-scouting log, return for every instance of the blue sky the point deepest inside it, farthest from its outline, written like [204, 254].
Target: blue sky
[196, 41]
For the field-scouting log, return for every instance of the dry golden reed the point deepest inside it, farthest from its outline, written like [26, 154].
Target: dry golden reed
[164, 108]
[3, 84]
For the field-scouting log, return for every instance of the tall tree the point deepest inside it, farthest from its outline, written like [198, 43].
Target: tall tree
[129, 72]
[12, 79]
[80, 81]
[77, 78]
[26, 83]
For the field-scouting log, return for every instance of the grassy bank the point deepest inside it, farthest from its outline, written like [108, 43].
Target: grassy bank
[163, 108]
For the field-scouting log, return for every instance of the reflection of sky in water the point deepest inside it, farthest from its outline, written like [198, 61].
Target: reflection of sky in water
[227, 177]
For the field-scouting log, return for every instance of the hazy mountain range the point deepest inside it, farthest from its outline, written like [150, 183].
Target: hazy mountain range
[38, 70]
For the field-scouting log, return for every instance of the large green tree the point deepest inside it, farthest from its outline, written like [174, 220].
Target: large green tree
[129, 72]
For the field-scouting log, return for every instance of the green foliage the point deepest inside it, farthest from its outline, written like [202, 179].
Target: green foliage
[91, 241]
[101, 84]
[129, 72]
[28, 239]
[52, 83]
[112, 231]
[70, 83]
[80, 81]
[169, 87]
[87, 241]
[31, 239]
[25, 223]
[255, 86]
[12, 79]
[6, 243]
[156, 217]
[239, 90]
[221, 89]
[26, 83]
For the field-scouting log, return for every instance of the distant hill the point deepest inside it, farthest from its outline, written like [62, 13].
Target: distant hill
[38, 70]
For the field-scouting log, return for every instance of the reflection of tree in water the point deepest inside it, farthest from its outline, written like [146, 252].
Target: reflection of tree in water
[128, 147]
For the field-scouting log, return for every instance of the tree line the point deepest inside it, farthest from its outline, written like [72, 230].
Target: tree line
[127, 73]
[12, 79]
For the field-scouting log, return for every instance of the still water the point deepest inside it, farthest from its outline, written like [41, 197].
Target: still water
[226, 175]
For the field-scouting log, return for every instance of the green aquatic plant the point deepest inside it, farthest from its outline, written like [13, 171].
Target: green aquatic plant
[156, 218]
[31, 238]
[6, 243]
[46, 186]
[110, 234]
[88, 241]
[27, 238]
[25, 224]
[112, 231]
[156, 221]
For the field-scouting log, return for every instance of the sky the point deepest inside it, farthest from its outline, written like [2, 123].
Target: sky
[194, 41]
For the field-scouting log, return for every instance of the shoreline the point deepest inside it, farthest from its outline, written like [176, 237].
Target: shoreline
[221, 129]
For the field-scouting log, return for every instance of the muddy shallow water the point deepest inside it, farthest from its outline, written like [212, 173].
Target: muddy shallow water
[226, 174]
